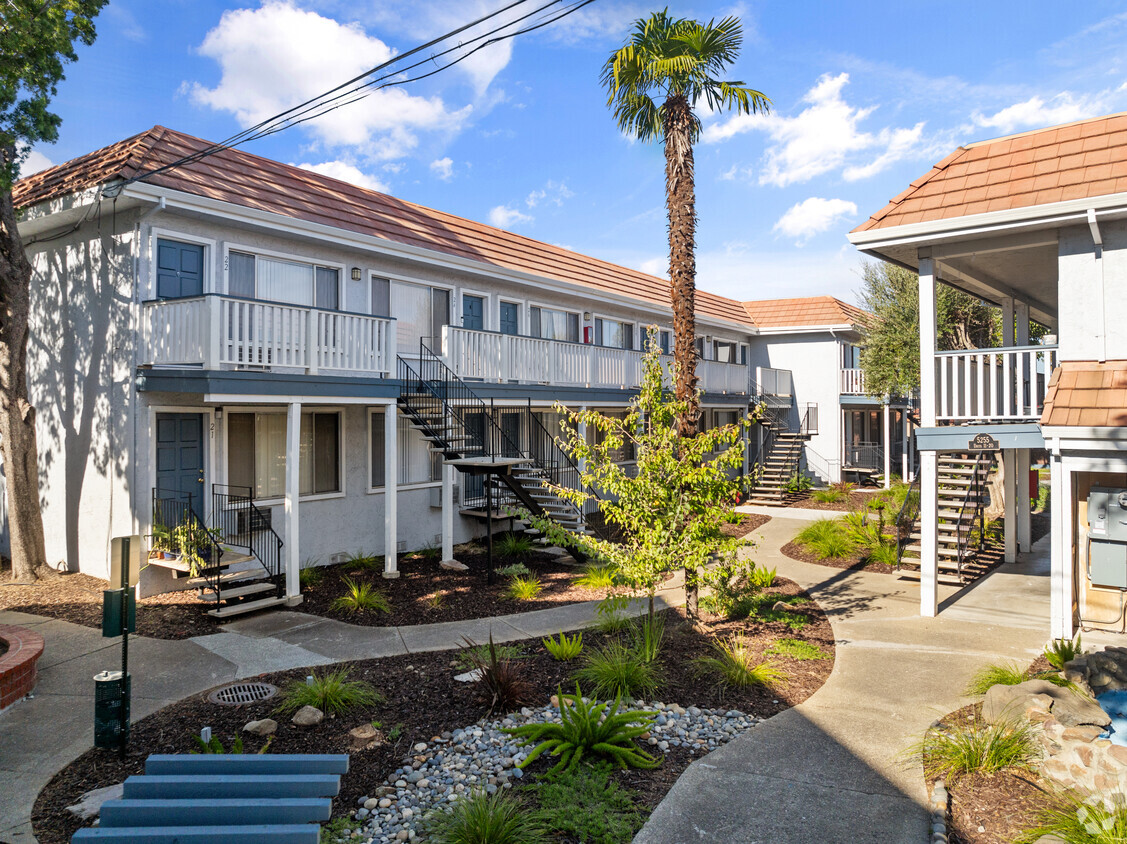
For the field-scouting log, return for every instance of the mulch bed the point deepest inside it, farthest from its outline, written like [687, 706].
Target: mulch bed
[856, 500]
[77, 598]
[748, 523]
[424, 700]
[856, 561]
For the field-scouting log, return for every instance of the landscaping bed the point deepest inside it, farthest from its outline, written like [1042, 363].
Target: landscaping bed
[748, 523]
[425, 705]
[856, 560]
[854, 500]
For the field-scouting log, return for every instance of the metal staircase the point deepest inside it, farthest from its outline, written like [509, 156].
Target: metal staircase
[467, 432]
[962, 505]
[780, 458]
[237, 555]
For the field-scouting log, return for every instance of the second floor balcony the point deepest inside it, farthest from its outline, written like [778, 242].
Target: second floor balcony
[852, 381]
[993, 385]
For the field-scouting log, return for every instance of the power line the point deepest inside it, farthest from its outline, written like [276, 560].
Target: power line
[331, 100]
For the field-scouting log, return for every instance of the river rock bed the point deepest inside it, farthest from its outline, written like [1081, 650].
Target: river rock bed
[441, 771]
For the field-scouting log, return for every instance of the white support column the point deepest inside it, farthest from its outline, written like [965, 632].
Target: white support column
[1009, 476]
[1008, 321]
[1061, 586]
[1021, 312]
[390, 492]
[929, 542]
[887, 444]
[448, 514]
[929, 460]
[904, 470]
[293, 492]
[581, 430]
[1024, 502]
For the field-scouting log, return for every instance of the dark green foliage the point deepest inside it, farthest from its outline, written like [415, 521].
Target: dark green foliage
[586, 805]
[586, 729]
[215, 746]
[512, 546]
[473, 654]
[618, 670]
[565, 648]
[797, 649]
[503, 684]
[361, 597]
[1060, 651]
[333, 693]
[480, 818]
[646, 634]
[798, 482]
[310, 576]
[1076, 818]
[950, 752]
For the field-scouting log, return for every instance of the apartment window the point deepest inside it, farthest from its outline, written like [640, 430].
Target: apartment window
[743, 355]
[277, 280]
[850, 356]
[381, 297]
[550, 324]
[724, 351]
[698, 344]
[664, 342]
[416, 463]
[256, 453]
[420, 313]
[623, 454]
[613, 333]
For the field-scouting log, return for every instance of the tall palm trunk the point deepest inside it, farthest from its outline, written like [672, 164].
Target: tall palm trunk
[17, 416]
[680, 202]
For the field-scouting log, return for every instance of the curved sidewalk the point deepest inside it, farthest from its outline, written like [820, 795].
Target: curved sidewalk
[832, 769]
[41, 735]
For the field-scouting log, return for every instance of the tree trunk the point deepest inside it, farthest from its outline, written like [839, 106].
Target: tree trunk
[17, 416]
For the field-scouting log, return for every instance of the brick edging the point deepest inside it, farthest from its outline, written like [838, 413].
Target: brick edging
[17, 666]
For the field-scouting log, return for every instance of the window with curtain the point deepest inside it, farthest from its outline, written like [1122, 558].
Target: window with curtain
[278, 280]
[724, 351]
[256, 453]
[613, 333]
[420, 313]
[550, 324]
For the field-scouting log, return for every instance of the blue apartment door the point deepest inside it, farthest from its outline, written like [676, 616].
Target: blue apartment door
[179, 269]
[473, 312]
[509, 322]
[180, 456]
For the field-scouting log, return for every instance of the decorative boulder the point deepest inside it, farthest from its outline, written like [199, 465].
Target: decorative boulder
[265, 727]
[91, 803]
[1004, 703]
[308, 716]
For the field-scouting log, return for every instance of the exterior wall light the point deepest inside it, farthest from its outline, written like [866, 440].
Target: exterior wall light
[356, 274]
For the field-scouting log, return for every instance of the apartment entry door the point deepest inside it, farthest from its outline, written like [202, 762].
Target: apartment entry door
[473, 312]
[180, 456]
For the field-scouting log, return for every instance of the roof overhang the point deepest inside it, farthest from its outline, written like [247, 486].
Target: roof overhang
[809, 329]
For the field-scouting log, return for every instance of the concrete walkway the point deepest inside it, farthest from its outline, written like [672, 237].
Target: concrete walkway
[42, 734]
[832, 768]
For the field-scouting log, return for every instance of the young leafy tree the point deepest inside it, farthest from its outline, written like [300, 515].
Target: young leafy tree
[669, 510]
[678, 62]
[37, 37]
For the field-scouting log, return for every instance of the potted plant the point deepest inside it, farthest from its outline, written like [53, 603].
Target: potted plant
[195, 543]
[162, 542]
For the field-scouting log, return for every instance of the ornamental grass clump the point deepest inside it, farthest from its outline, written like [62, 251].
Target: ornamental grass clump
[333, 693]
[360, 597]
[1074, 818]
[617, 670]
[481, 818]
[736, 666]
[598, 576]
[827, 538]
[514, 546]
[953, 751]
[588, 728]
[523, 588]
[502, 683]
[564, 648]
[996, 674]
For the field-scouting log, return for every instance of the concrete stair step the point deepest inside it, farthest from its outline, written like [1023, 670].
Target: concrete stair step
[255, 588]
[249, 606]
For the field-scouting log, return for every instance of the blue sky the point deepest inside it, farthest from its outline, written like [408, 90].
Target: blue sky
[866, 96]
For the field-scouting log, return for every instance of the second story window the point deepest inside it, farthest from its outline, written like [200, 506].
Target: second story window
[277, 280]
[179, 269]
[850, 356]
[724, 351]
[615, 334]
[551, 324]
[420, 312]
[664, 342]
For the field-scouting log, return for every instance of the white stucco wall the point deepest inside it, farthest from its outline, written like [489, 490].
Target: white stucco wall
[1093, 298]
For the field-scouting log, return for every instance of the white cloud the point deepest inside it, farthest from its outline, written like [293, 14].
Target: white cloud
[1038, 113]
[825, 136]
[277, 56]
[813, 216]
[655, 266]
[504, 217]
[127, 24]
[347, 173]
[553, 193]
[737, 172]
[34, 162]
[443, 168]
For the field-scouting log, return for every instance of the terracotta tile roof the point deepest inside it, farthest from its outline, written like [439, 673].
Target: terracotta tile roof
[1088, 394]
[812, 310]
[1074, 161]
[251, 181]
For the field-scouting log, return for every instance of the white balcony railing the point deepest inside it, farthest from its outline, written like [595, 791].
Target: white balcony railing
[774, 382]
[221, 332]
[853, 382]
[1005, 384]
[490, 356]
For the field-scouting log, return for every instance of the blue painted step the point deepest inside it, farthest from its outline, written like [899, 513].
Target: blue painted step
[212, 812]
[198, 786]
[246, 763]
[273, 834]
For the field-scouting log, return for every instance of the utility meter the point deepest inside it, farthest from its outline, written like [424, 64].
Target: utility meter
[1107, 537]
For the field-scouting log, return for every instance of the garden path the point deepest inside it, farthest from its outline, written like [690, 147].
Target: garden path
[832, 769]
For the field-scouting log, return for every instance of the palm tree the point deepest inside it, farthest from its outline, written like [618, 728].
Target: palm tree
[679, 59]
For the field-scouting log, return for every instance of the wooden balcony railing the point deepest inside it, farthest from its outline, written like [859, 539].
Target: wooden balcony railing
[1004, 384]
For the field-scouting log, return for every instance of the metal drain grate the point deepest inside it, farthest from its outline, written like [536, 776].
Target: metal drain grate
[243, 693]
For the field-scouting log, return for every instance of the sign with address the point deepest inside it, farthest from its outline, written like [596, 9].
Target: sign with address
[983, 442]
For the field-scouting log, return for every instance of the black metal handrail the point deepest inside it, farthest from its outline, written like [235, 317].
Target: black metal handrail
[177, 523]
[907, 515]
[973, 503]
[239, 521]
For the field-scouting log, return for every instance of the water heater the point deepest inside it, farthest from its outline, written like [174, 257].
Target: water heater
[1107, 537]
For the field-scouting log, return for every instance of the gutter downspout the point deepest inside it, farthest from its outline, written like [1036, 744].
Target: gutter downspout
[1098, 242]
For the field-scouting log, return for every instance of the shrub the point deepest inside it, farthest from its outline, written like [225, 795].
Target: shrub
[1060, 651]
[514, 570]
[523, 588]
[735, 666]
[827, 496]
[598, 576]
[585, 804]
[818, 533]
[885, 553]
[587, 728]
[617, 670]
[1076, 818]
[364, 560]
[731, 586]
[564, 648]
[310, 576]
[480, 818]
[503, 684]
[950, 752]
[333, 693]
[798, 483]
[646, 634]
[797, 649]
[512, 545]
[360, 597]
[761, 577]
[998, 674]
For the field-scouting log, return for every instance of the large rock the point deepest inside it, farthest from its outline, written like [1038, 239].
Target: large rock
[265, 727]
[91, 803]
[308, 716]
[1010, 703]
